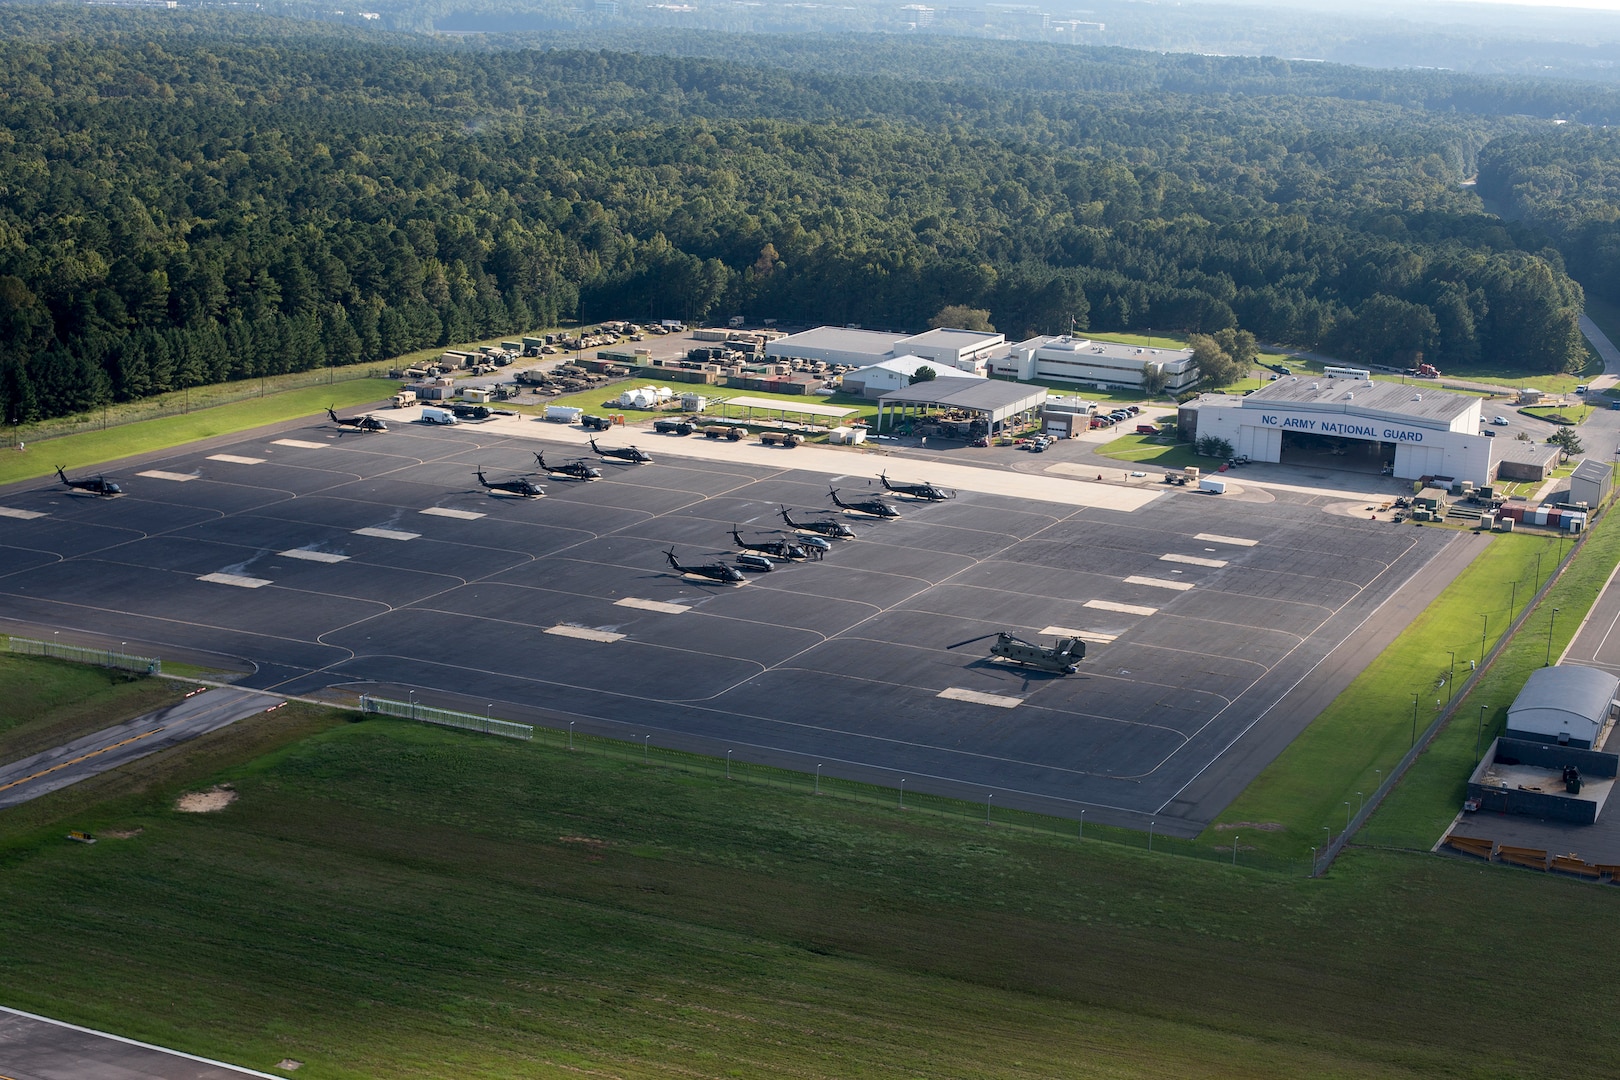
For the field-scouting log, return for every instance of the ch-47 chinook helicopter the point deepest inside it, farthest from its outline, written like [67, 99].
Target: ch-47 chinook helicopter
[522, 486]
[574, 470]
[724, 573]
[95, 485]
[872, 507]
[1061, 659]
[776, 549]
[623, 453]
[925, 492]
[357, 423]
[837, 530]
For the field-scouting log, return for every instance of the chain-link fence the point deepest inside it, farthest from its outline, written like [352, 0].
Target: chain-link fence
[415, 710]
[107, 658]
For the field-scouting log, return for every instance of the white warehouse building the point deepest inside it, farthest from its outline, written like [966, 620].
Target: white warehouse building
[1104, 363]
[963, 350]
[875, 380]
[1414, 431]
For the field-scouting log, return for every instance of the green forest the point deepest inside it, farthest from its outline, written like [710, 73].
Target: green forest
[188, 198]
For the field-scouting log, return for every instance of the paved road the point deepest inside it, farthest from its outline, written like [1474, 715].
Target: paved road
[37, 1048]
[199, 714]
[1606, 349]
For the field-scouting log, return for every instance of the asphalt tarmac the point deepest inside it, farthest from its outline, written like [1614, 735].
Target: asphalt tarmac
[36, 1048]
[108, 749]
[349, 562]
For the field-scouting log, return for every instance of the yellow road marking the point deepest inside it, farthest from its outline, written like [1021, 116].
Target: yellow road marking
[75, 761]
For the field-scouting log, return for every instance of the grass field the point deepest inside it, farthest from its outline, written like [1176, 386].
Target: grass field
[94, 447]
[392, 901]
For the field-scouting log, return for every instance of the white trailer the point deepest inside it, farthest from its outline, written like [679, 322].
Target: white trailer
[430, 415]
[564, 414]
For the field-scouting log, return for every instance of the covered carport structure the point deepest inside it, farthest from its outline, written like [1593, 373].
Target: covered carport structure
[996, 403]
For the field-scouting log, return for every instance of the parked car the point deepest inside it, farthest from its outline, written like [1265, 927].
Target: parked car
[1499, 421]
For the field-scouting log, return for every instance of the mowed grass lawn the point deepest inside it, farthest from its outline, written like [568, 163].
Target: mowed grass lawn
[92, 448]
[395, 901]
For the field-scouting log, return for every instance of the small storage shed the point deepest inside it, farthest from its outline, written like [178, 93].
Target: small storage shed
[1590, 483]
[1564, 704]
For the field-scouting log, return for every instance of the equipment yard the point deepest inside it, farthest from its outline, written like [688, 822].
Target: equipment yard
[355, 563]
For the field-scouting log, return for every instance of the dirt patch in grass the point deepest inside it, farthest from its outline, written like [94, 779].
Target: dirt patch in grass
[215, 798]
[121, 834]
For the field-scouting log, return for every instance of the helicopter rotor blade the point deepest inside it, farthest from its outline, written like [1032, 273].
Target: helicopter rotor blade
[971, 640]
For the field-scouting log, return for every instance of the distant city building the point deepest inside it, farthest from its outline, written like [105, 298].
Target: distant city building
[607, 7]
[918, 14]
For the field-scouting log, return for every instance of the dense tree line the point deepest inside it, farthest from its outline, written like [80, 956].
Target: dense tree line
[188, 202]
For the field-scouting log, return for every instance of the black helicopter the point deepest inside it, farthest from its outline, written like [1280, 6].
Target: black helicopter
[1061, 659]
[522, 486]
[724, 573]
[874, 507]
[358, 423]
[98, 485]
[776, 549]
[574, 470]
[835, 529]
[624, 453]
[925, 492]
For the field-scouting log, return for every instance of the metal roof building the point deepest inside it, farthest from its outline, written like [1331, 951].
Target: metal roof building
[1590, 483]
[994, 402]
[1564, 704]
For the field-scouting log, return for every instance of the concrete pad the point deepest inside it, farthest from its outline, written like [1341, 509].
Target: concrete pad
[388, 534]
[445, 511]
[159, 474]
[1158, 583]
[314, 556]
[1124, 609]
[584, 633]
[976, 697]
[236, 459]
[20, 515]
[39, 1048]
[1192, 560]
[238, 580]
[301, 444]
[652, 605]
[1216, 538]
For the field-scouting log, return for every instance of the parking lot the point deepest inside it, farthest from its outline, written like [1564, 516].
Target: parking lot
[359, 563]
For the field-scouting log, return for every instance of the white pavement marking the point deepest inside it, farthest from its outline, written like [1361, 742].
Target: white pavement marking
[1217, 538]
[1126, 609]
[314, 556]
[956, 693]
[1192, 560]
[584, 633]
[1158, 583]
[20, 515]
[238, 580]
[1088, 636]
[652, 605]
[387, 534]
[236, 459]
[159, 474]
[837, 463]
[300, 443]
[445, 511]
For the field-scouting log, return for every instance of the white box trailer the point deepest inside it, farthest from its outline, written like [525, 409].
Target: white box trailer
[430, 415]
[564, 414]
[1212, 486]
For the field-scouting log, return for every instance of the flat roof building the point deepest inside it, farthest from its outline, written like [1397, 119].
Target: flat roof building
[1102, 363]
[964, 350]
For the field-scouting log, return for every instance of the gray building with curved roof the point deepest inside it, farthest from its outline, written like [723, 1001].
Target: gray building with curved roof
[1567, 705]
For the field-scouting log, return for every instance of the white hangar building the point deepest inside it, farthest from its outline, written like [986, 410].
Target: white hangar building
[963, 350]
[1304, 420]
[1105, 363]
[878, 379]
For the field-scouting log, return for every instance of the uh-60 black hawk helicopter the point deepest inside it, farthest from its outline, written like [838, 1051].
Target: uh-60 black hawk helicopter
[574, 470]
[95, 485]
[776, 549]
[925, 492]
[724, 573]
[522, 487]
[871, 507]
[835, 529]
[1061, 659]
[357, 423]
[623, 453]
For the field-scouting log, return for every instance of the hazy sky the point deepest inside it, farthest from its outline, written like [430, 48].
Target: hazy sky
[1601, 5]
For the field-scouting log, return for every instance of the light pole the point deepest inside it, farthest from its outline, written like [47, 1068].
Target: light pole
[1234, 848]
[646, 748]
[413, 704]
[1361, 802]
[1451, 676]
[1414, 719]
[1485, 628]
[902, 793]
[1082, 824]
[1347, 815]
[728, 764]
[1550, 623]
[1478, 733]
[1513, 598]
[987, 799]
[1150, 834]
[818, 778]
[570, 734]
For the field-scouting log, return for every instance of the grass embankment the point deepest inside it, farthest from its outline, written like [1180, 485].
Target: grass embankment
[95, 447]
[48, 703]
[385, 900]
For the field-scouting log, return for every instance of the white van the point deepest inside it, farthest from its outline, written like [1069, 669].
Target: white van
[431, 415]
